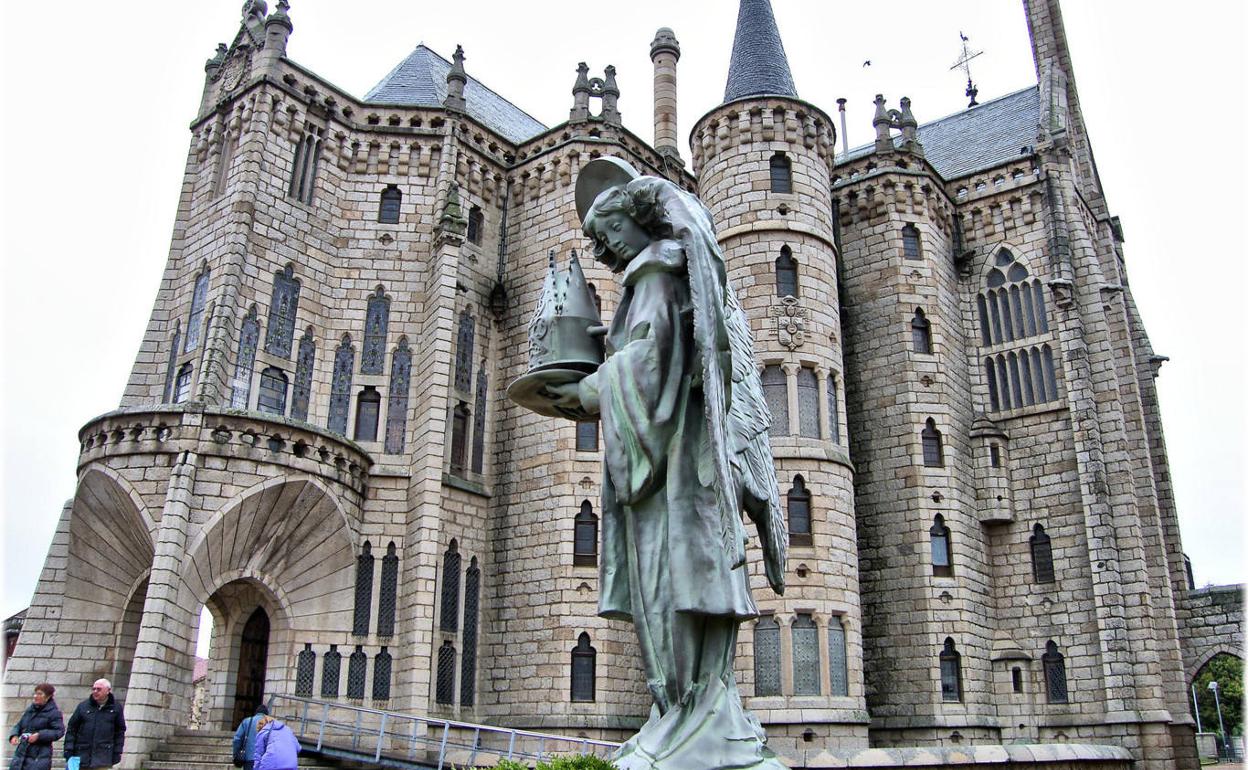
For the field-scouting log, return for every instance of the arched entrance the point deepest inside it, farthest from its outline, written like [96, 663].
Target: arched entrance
[253, 652]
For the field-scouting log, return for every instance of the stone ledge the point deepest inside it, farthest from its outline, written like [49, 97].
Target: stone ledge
[1028, 754]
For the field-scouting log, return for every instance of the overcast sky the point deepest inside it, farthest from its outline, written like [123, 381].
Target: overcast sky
[97, 99]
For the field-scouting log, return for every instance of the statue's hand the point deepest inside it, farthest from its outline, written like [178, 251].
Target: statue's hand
[567, 395]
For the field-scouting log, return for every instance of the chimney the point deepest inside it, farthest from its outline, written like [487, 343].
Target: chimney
[665, 52]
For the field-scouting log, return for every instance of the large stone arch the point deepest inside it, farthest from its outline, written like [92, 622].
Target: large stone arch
[1223, 648]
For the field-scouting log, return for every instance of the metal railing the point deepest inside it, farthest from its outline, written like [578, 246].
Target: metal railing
[404, 741]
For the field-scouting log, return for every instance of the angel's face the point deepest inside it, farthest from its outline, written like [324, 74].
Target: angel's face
[619, 236]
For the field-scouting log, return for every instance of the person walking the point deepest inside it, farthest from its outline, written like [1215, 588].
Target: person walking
[277, 748]
[40, 726]
[245, 738]
[96, 732]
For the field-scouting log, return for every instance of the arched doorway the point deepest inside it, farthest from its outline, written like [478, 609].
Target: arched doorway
[253, 652]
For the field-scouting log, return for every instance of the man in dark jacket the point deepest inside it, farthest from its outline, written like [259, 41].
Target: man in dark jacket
[97, 729]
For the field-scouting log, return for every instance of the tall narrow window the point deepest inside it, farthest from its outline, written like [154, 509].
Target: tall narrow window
[387, 602]
[584, 660]
[838, 661]
[382, 666]
[463, 352]
[807, 403]
[1054, 674]
[367, 414]
[195, 321]
[331, 672]
[1016, 678]
[766, 656]
[587, 436]
[942, 550]
[1012, 313]
[445, 693]
[391, 203]
[363, 590]
[340, 386]
[307, 158]
[229, 146]
[171, 366]
[248, 337]
[950, 672]
[396, 400]
[781, 173]
[933, 449]
[272, 395]
[478, 420]
[182, 384]
[585, 537]
[1041, 556]
[449, 620]
[910, 244]
[920, 332]
[776, 392]
[305, 671]
[304, 364]
[282, 308]
[799, 513]
[786, 273]
[357, 671]
[376, 326]
[834, 410]
[459, 437]
[476, 225]
[806, 675]
[468, 663]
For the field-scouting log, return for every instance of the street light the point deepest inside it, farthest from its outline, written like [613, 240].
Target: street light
[1213, 685]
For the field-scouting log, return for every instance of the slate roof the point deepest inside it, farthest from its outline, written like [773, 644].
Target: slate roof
[758, 66]
[420, 81]
[980, 137]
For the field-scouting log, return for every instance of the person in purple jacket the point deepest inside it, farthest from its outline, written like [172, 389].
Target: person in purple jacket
[276, 746]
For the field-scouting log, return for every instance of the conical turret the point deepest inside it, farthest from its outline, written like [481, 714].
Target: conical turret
[758, 66]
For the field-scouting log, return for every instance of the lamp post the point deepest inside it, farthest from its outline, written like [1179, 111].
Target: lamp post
[1213, 685]
[1196, 707]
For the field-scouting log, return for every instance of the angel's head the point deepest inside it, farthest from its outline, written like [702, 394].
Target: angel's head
[622, 222]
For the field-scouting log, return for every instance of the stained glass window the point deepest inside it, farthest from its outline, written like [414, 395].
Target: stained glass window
[478, 421]
[357, 670]
[331, 672]
[446, 673]
[805, 656]
[272, 395]
[305, 671]
[942, 550]
[340, 387]
[838, 661]
[382, 665]
[249, 336]
[195, 320]
[282, 309]
[950, 673]
[1042, 556]
[303, 376]
[450, 588]
[583, 674]
[463, 352]
[799, 513]
[807, 403]
[585, 537]
[786, 273]
[834, 410]
[781, 173]
[910, 242]
[396, 400]
[367, 414]
[776, 392]
[391, 204]
[920, 332]
[468, 664]
[933, 451]
[363, 590]
[1054, 674]
[766, 656]
[587, 436]
[387, 602]
[376, 326]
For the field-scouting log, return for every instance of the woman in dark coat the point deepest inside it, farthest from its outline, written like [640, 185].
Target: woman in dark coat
[32, 737]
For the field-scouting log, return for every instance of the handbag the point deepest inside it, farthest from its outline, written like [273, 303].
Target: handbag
[72, 763]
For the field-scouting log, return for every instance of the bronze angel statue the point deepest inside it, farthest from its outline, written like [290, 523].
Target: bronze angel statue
[684, 427]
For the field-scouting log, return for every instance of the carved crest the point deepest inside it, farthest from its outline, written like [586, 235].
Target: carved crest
[790, 322]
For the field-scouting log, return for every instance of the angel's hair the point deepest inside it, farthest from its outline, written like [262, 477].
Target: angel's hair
[639, 200]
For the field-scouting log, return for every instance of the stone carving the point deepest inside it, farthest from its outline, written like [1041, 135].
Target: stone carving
[790, 322]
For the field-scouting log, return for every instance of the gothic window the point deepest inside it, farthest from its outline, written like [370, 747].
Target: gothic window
[834, 411]
[376, 325]
[340, 386]
[942, 551]
[585, 537]
[994, 455]
[838, 661]
[933, 448]
[446, 673]
[950, 673]
[363, 590]
[450, 588]
[331, 672]
[478, 421]
[357, 670]
[382, 665]
[805, 655]
[587, 436]
[766, 656]
[1041, 556]
[182, 384]
[367, 414]
[910, 244]
[1016, 678]
[799, 513]
[463, 352]
[171, 367]
[195, 321]
[807, 403]
[272, 395]
[396, 403]
[1054, 674]
[304, 363]
[249, 335]
[476, 225]
[282, 308]
[776, 392]
[387, 602]
[391, 202]
[468, 664]
[307, 157]
[781, 173]
[583, 674]
[1012, 316]
[305, 671]
[920, 332]
[786, 273]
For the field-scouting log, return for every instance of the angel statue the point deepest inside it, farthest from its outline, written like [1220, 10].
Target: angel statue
[684, 426]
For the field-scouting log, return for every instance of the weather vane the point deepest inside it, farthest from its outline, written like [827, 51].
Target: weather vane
[964, 62]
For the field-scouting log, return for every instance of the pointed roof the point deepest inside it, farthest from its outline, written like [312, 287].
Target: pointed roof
[759, 66]
[420, 81]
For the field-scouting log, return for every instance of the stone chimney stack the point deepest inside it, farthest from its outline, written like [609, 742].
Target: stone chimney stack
[611, 98]
[665, 52]
[456, 79]
[277, 29]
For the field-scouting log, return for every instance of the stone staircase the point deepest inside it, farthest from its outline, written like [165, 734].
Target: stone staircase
[211, 750]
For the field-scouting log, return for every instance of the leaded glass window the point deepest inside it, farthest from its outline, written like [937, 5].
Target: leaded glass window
[468, 664]
[807, 403]
[391, 204]
[340, 386]
[396, 400]
[805, 656]
[585, 537]
[459, 437]
[786, 273]
[304, 365]
[195, 321]
[387, 602]
[450, 588]
[282, 309]
[933, 449]
[478, 421]
[367, 414]
[446, 673]
[182, 384]
[776, 392]
[307, 158]
[834, 410]
[1054, 674]
[171, 368]
[305, 671]
[1042, 556]
[382, 665]
[363, 590]
[950, 673]
[766, 656]
[376, 326]
[1011, 310]
[272, 395]
[357, 671]
[781, 173]
[463, 352]
[476, 225]
[910, 243]
[249, 336]
[920, 332]
[838, 661]
[331, 672]
[799, 513]
[942, 549]
[587, 436]
[584, 660]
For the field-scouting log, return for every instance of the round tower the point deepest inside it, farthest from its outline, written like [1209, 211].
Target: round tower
[763, 161]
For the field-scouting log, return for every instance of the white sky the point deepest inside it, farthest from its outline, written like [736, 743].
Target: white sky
[97, 98]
